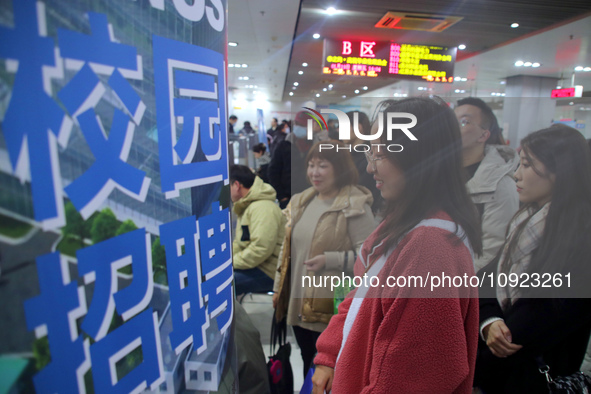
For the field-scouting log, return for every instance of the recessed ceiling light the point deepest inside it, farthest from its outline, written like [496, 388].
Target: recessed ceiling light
[316, 36]
[357, 91]
[503, 82]
[462, 91]
[571, 103]
[300, 72]
[365, 88]
[295, 84]
[230, 65]
[527, 64]
[304, 64]
[503, 94]
[536, 64]
[244, 65]
[291, 93]
[519, 63]
[237, 65]
[587, 69]
[344, 96]
[317, 94]
[579, 68]
[330, 86]
[461, 47]
[331, 11]
[457, 90]
[232, 44]
[514, 25]
[324, 90]
[464, 79]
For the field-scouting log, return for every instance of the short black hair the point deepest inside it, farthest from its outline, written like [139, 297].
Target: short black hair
[247, 124]
[489, 120]
[233, 117]
[242, 174]
[275, 119]
[259, 148]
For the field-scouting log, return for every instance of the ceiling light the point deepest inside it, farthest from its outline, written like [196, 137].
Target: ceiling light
[291, 93]
[503, 94]
[457, 78]
[230, 65]
[344, 96]
[514, 25]
[405, 95]
[237, 65]
[330, 86]
[536, 64]
[317, 94]
[571, 103]
[503, 82]
[579, 68]
[331, 11]
[295, 84]
[558, 87]
[527, 64]
[324, 90]
[461, 47]
[464, 79]
[244, 65]
[357, 91]
[300, 72]
[304, 64]
[316, 36]
[365, 88]
[457, 90]
[587, 69]
[232, 44]
[519, 63]
[462, 91]
[293, 88]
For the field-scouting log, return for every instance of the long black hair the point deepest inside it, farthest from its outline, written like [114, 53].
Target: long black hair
[432, 168]
[566, 241]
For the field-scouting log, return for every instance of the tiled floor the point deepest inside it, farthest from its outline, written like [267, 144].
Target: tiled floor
[260, 310]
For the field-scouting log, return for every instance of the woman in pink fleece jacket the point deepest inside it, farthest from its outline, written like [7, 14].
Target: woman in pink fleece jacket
[412, 325]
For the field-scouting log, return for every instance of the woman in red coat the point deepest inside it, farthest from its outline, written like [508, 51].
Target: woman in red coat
[401, 330]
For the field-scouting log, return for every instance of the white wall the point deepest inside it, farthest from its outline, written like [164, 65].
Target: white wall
[246, 110]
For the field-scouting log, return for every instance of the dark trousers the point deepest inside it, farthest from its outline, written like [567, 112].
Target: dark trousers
[306, 340]
[252, 280]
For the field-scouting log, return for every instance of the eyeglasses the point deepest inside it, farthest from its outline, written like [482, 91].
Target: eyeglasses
[465, 122]
[372, 159]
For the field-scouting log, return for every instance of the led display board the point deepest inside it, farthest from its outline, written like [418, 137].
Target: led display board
[576, 91]
[373, 59]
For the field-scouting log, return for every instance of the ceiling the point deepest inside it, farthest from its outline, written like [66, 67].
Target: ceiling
[275, 37]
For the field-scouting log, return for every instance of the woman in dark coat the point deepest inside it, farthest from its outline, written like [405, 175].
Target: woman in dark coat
[544, 311]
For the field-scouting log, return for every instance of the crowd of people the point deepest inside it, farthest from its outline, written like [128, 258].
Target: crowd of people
[458, 201]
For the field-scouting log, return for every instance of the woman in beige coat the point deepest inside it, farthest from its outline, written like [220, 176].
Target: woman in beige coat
[327, 223]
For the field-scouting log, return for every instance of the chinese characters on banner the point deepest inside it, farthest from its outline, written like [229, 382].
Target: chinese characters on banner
[99, 321]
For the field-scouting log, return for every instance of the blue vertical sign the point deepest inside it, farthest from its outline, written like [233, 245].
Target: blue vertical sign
[111, 118]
